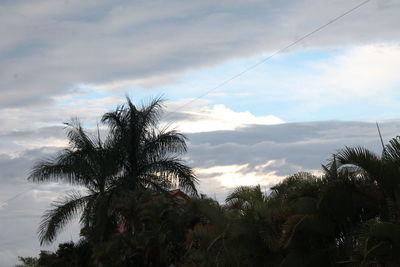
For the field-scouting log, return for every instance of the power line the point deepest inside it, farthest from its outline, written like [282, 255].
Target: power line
[15, 196]
[243, 72]
[272, 55]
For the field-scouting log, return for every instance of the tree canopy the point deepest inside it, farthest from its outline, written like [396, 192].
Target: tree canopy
[348, 216]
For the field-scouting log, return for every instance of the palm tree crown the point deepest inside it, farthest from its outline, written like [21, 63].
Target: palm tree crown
[134, 156]
[149, 156]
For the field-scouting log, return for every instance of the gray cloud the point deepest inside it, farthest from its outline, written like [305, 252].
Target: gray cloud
[23, 203]
[294, 147]
[44, 132]
[52, 46]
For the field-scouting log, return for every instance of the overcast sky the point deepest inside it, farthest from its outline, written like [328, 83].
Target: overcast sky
[61, 59]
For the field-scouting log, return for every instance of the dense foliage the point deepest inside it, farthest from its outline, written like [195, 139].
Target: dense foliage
[349, 216]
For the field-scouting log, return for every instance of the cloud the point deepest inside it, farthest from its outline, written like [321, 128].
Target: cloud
[35, 127]
[356, 83]
[255, 154]
[23, 203]
[52, 46]
[77, 58]
[197, 117]
[363, 71]
[265, 154]
[231, 176]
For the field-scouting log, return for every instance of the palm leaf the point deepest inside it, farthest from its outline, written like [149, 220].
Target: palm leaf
[173, 171]
[361, 157]
[62, 212]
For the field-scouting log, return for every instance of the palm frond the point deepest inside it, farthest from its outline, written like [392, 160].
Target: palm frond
[392, 151]
[174, 171]
[154, 182]
[151, 113]
[160, 144]
[77, 137]
[73, 167]
[244, 197]
[361, 157]
[59, 168]
[115, 119]
[62, 211]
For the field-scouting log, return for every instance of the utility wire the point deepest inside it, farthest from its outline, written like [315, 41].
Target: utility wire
[242, 72]
[15, 196]
[272, 55]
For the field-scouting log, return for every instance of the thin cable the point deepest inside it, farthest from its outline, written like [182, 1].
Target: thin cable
[241, 73]
[272, 55]
[15, 196]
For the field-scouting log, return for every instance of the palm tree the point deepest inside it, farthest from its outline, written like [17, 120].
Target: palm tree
[207, 234]
[150, 156]
[153, 232]
[88, 162]
[383, 170]
[245, 197]
[323, 215]
[135, 155]
[256, 225]
[377, 242]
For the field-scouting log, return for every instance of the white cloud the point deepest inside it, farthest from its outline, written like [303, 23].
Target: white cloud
[202, 118]
[355, 83]
[236, 175]
[52, 46]
[363, 71]
[258, 154]
[218, 180]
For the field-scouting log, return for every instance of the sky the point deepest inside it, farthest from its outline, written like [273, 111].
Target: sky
[65, 59]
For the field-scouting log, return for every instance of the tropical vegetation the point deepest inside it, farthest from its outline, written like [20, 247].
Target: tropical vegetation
[348, 216]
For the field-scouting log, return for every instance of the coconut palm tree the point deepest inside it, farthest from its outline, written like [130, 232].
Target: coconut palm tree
[135, 155]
